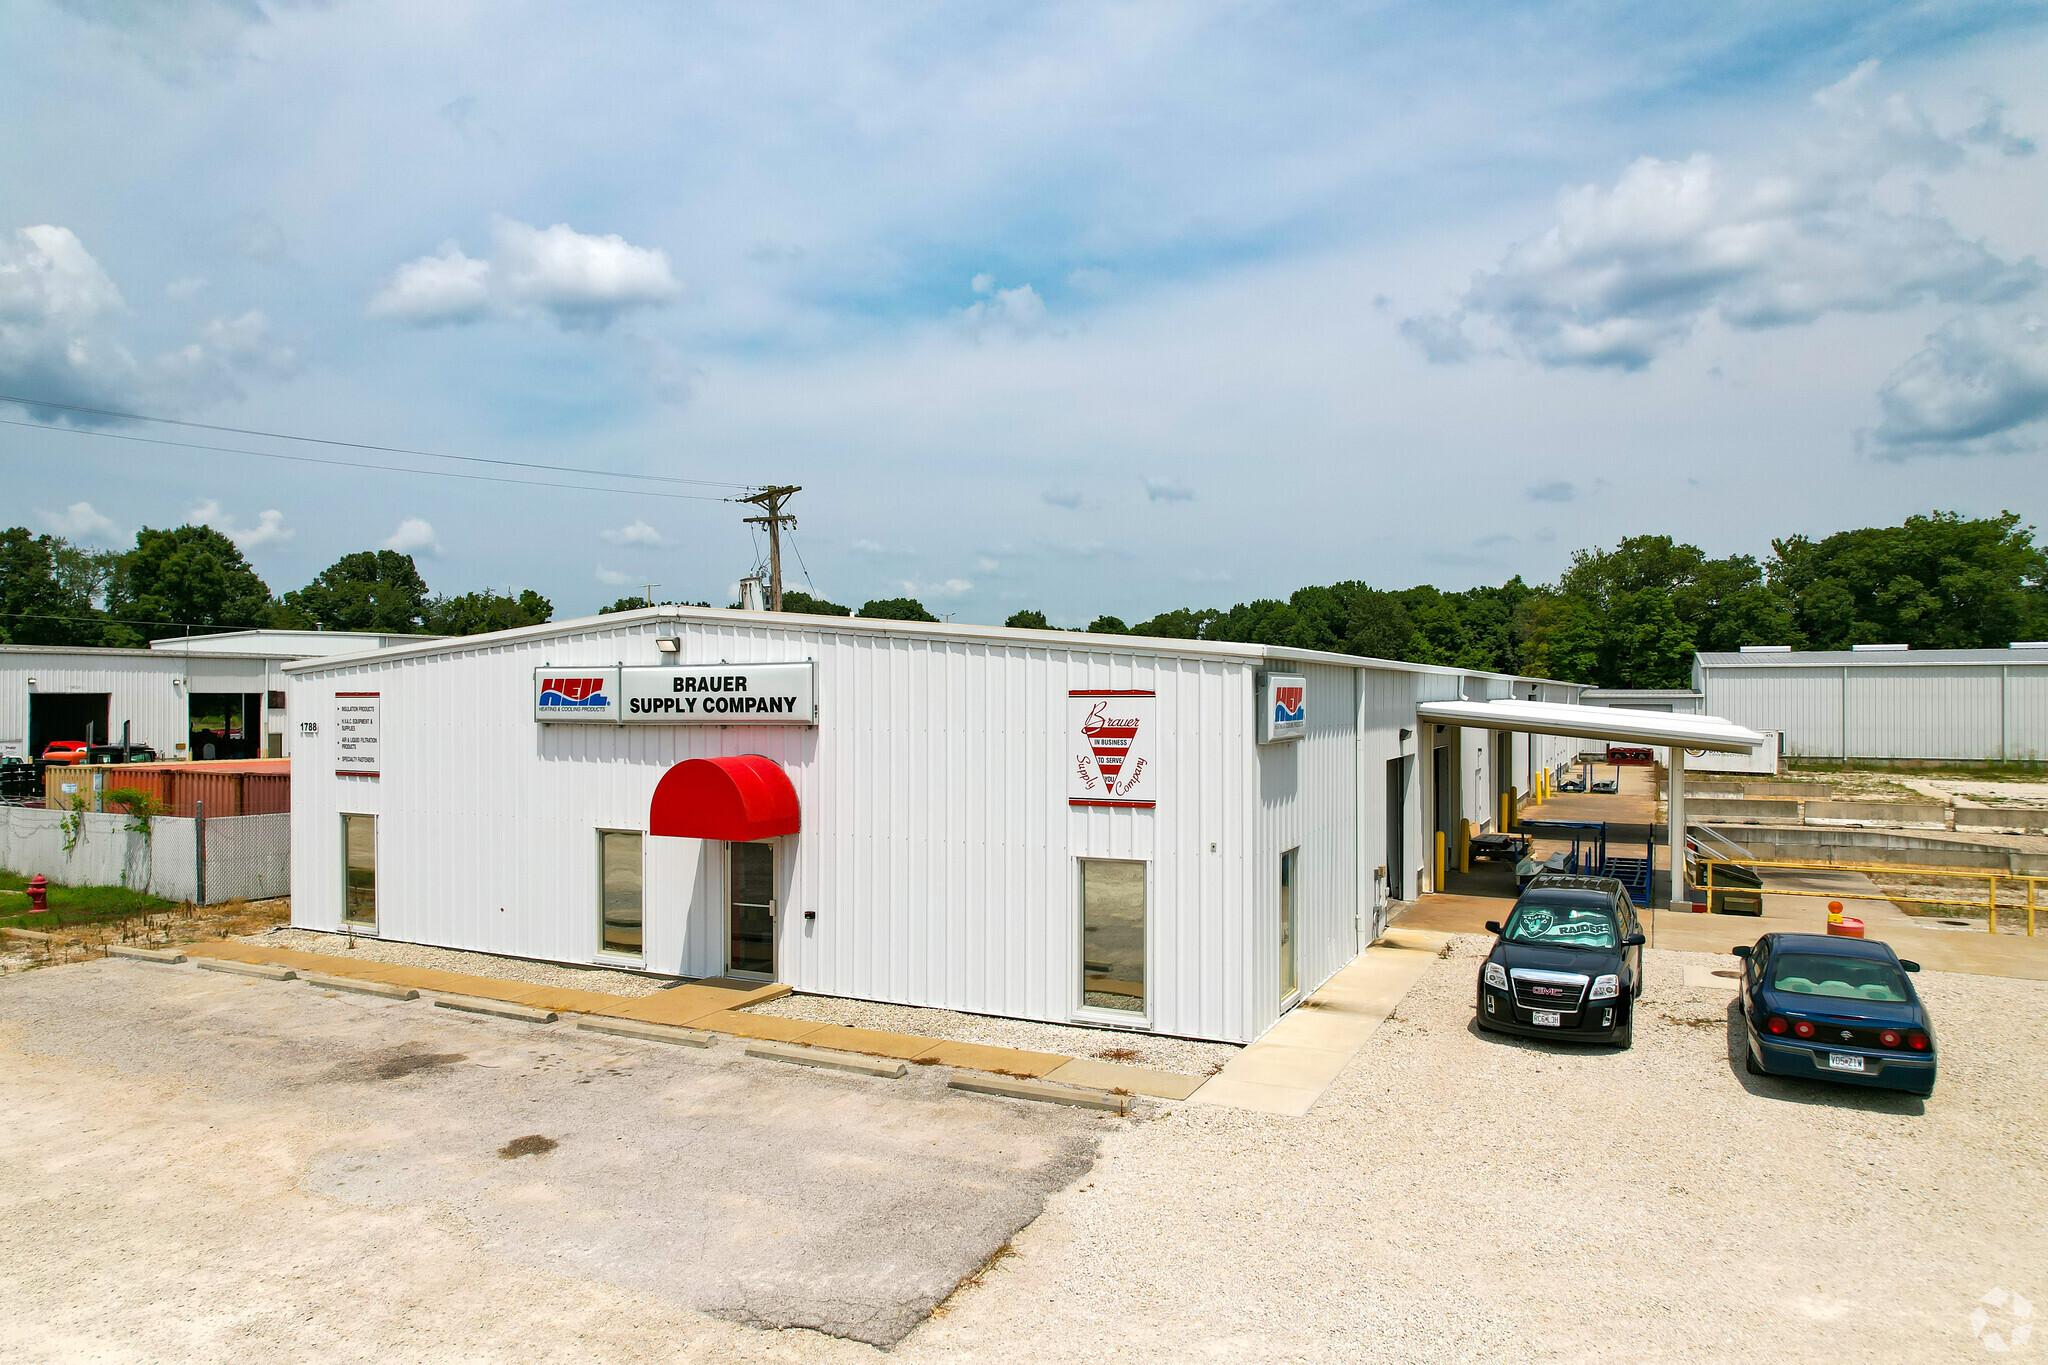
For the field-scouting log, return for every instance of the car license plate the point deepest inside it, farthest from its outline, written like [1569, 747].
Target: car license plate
[1844, 1061]
[1552, 1019]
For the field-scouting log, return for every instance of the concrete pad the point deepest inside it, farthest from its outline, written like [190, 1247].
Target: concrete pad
[890, 1069]
[1288, 1069]
[1010, 1088]
[1703, 979]
[257, 969]
[874, 1042]
[382, 989]
[33, 935]
[1111, 1076]
[1235, 1092]
[499, 1009]
[651, 1033]
[981, 1057]
[742, 1025]
[170, 957]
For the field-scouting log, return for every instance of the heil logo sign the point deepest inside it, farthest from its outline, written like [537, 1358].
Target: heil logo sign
[579, 694]
[1289, 705]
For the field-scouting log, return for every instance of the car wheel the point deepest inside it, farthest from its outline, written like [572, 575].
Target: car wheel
[1625, 1038]
[1749, 1062]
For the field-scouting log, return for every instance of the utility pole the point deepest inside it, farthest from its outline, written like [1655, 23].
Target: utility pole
[769, 500]
[650, 593]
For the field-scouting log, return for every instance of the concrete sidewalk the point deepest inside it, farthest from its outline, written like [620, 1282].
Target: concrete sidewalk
[1287, 1070]
[719, 1007]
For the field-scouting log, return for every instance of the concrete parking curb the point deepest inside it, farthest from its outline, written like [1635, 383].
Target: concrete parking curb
[257, 969]
[1042, 1092]
[650, 1033]
[502, 1009]
[169, 957]
[382, 989]
[888, 1068]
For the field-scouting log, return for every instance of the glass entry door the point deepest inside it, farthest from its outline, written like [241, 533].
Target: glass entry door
[750, 909]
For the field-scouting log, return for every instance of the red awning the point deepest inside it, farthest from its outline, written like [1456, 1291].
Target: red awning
[748, 797]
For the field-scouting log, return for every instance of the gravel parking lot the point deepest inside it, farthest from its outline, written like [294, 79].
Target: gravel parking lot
[1455, 1196]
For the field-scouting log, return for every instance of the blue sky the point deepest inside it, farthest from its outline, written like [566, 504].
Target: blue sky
[1092, 308]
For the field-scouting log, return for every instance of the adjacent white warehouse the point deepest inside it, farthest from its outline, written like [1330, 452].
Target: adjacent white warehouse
[178, 696]
[1929, 705]
[1177, 836]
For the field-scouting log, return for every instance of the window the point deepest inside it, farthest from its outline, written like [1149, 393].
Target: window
[359, 863]
[1290, 974]
[1113, 936]
[619, 891]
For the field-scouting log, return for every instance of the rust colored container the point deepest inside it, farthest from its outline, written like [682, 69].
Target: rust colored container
[257, 786]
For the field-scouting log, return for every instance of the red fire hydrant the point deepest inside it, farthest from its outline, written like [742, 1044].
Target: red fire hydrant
[38, 894]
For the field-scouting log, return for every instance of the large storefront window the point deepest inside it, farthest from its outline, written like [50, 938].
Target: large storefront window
[359, 874]
[1113, 935]
[619, 890]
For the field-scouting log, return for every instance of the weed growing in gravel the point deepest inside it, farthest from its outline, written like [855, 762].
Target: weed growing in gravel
[1118, 1054]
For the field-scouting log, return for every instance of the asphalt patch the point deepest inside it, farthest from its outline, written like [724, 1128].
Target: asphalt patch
[393, 1065]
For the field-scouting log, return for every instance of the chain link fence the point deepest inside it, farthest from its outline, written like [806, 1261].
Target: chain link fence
[246, 856]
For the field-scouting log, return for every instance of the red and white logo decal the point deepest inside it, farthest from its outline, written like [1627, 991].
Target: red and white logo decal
[1111, 763]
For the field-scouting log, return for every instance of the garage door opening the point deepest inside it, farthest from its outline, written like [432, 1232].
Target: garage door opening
[66, 715]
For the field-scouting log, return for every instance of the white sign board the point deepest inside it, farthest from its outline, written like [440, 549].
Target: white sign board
[1111, 740]
[1283, 707]
[679, 694]
[355, 734]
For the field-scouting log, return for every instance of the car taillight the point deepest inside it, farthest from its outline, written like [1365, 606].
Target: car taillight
[1889, 1038]
[1804, 1028]
[1776, 1025]
[1917, 1041]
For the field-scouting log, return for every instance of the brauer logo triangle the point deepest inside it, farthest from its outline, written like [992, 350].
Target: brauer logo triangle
[1110, 738]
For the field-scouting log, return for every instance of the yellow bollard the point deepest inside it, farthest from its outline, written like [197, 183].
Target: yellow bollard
[1465, 846]
[1440, 863]
[2030, 907]
[1991, 903]
[1507, 810]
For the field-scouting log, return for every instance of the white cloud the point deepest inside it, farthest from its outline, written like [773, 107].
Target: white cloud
[1069, 498]
[877, 549]
[415, 535]
[613, 578]
[945, 590]
[986, 565]
[180, 290]
[1168, 490]
[268, 530]
[1015, 312]
[1552, 490]
[450, 287]
[55, 302]
[633, 533]
[1631, 270]
[579, 279]
[1205, 577]
[80, 521]
[1979, 387]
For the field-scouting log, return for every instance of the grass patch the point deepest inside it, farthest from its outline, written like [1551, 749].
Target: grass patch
[71, 905]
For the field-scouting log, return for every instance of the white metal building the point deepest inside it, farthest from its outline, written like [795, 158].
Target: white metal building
[1886, 703]
[1170, 835]
[179, 696]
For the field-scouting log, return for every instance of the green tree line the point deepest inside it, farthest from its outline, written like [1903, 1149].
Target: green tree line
[1633, 615]
[193, 580]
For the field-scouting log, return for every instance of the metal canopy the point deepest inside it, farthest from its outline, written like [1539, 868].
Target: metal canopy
[1595, 722]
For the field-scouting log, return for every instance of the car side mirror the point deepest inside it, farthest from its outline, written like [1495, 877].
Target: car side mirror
[1740, 950]
[1493, 926]
[1634, 941]
[1909, 966]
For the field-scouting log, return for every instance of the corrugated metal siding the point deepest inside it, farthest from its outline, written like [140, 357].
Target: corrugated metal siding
[1308, 800]
[1915, 710]
[138, 685]
[938, 849]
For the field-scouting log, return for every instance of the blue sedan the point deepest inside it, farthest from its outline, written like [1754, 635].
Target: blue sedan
[1835, 1009]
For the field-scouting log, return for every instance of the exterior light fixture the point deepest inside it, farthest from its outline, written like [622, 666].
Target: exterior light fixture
[668, 644]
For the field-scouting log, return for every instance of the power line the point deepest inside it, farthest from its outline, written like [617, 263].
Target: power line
[352, 445]
[386, 468]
